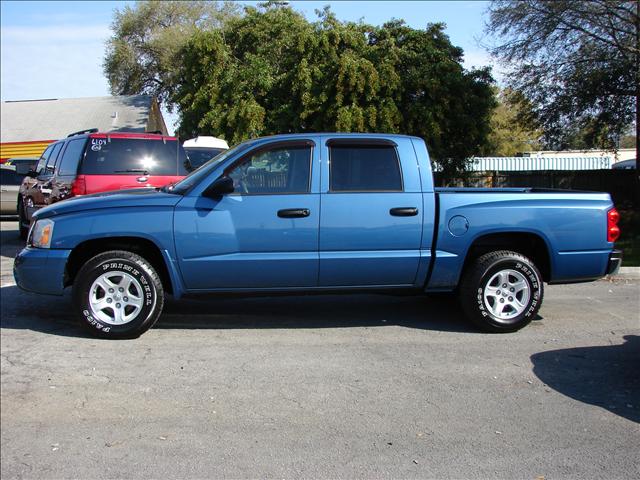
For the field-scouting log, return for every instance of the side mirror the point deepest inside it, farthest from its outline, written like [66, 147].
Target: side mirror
[220, 187]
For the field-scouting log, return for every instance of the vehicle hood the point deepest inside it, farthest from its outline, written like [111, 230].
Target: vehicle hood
[138, 197]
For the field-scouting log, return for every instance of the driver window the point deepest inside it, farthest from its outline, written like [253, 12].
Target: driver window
[51, 163]
[283, 169]
[43, 159]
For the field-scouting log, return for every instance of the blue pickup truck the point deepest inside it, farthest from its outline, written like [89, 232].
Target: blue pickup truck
[316, 213]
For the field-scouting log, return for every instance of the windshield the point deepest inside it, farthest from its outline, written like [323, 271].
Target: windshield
[199, 156]
[201, 172]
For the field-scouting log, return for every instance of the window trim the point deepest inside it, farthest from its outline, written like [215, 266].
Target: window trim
[359, 142]
[374, 142]
[272, 146]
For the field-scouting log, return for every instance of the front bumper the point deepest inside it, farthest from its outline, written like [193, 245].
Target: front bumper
[41, 270]
[615, 260]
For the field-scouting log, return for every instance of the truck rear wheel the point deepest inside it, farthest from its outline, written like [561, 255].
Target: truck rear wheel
[117, 294]
[502, 291]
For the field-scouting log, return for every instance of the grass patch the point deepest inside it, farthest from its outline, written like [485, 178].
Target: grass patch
[629, 241]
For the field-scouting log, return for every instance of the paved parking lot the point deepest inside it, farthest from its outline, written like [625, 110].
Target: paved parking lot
[336, 386]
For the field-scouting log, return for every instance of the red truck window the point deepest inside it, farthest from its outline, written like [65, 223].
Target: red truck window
[71, 157]
[125, 156]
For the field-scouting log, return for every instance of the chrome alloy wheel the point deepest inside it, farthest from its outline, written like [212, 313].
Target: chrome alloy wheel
[116, 298]
[506, 294]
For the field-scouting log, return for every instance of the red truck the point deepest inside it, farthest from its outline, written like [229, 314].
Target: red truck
[89, 162]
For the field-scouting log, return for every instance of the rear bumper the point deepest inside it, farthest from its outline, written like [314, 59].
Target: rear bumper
[615, 260]
[41, 270]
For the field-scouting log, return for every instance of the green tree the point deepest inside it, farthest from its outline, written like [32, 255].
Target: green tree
[577, 61]
[438, 99]
[513, 128]
[141, 55]
[628, 141]
[272, 71]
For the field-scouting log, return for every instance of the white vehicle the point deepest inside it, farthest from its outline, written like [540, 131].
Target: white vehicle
[9, 186]
[202, 149]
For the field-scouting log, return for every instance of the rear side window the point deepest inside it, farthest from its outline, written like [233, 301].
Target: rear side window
[8, 176]
[364, 168]
[71, 157]
[126, 156]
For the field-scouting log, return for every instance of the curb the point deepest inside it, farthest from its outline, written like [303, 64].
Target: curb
[629, 273]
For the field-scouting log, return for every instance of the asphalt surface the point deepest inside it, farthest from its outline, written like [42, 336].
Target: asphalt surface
[336, 386]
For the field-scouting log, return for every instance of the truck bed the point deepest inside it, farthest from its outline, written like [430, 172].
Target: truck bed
[569, 224]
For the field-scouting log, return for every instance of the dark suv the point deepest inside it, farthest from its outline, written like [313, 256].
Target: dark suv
[89, 162]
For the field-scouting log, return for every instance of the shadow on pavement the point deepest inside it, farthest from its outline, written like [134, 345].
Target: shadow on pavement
[440, 312]
[605, 376]
[47, 314]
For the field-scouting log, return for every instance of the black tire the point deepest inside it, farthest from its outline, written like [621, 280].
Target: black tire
[489, 268]
[148, 292]
[22, 220]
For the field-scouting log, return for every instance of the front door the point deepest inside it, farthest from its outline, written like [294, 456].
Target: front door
[265, 234]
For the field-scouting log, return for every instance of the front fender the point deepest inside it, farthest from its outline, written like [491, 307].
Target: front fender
[151, 223]
[154, 224]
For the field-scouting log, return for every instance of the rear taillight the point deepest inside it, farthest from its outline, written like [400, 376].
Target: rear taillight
[613, 231]
[79, 186]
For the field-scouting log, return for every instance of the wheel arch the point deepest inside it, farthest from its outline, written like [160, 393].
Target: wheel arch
[529, 244]
[141, 246]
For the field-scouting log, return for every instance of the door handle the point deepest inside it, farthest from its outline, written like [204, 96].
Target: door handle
[294, 213]
[404, 211]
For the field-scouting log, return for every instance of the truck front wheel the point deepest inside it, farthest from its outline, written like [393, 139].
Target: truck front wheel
[117, 294]
[502, 291]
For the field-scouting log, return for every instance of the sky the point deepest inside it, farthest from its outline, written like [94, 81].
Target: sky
[55, 49]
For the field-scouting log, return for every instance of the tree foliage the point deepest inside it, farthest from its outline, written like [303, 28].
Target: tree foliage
[576, 61]
[142, 55]
[272, 71]
[513, 126]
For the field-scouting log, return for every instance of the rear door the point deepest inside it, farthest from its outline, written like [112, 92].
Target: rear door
[115, 163]
[371, 219]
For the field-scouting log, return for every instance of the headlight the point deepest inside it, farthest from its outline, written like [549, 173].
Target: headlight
[41, 233]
